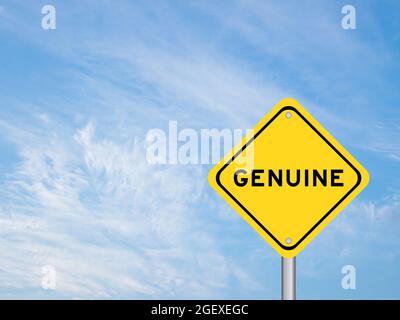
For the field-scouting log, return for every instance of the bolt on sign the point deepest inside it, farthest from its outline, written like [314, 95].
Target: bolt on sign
[288, 178]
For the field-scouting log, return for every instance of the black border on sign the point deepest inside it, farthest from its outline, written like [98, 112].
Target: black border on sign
[325, 215]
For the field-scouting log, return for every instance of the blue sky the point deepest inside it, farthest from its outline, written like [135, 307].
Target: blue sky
[76, 104]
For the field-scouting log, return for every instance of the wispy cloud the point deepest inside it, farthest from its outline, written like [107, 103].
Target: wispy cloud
[81, 195]
[110, 223]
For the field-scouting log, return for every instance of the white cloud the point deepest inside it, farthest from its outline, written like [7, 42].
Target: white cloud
[111, 224]
[359, 230]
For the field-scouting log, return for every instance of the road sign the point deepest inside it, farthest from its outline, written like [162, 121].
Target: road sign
[288, 178]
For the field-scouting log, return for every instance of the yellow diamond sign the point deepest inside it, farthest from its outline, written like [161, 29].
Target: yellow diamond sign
[288, 178]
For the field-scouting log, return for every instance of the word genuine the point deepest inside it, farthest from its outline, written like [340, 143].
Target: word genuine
[287, 177]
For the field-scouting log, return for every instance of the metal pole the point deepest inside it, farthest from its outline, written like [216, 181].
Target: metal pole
[288, 278]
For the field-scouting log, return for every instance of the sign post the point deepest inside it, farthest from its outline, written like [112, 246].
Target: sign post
[288, 178]
[288, 278]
